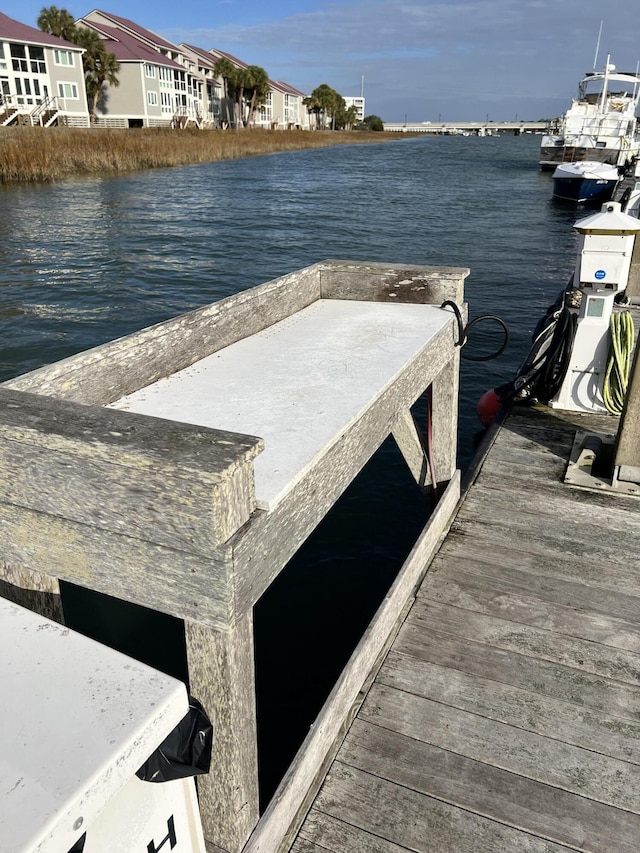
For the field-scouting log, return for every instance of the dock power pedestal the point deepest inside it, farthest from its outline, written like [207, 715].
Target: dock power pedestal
[602, 270]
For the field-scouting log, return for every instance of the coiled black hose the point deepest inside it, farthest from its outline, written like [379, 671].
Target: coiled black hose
[463, 331]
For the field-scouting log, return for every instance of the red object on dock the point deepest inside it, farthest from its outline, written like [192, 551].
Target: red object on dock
[488, 407]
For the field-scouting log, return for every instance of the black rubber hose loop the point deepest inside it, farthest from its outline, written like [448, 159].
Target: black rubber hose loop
[500, 350]
[462, 336]
[463, 332]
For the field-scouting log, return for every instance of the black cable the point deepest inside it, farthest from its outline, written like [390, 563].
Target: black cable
[464, 330]
[499, 351]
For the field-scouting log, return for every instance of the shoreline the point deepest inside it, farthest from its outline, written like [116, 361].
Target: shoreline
[37, 155]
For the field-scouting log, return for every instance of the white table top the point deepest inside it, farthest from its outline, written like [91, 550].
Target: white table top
[299, 384]
[78, 720]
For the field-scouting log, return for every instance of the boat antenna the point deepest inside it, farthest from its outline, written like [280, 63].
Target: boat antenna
[595, 58]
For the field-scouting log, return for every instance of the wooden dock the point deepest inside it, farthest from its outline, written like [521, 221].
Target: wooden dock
[506, 714]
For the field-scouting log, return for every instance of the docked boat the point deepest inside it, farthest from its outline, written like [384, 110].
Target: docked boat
[586, 180]
[600, 125]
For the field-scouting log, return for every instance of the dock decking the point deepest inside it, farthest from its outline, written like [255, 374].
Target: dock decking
[506, 715]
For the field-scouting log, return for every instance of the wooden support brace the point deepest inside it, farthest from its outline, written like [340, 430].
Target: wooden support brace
[411, 444]
[444, 419]
[221, 677]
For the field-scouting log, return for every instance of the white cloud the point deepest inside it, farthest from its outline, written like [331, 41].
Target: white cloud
[465, 57]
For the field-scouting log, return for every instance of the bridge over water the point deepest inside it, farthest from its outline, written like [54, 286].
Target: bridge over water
[475, 127]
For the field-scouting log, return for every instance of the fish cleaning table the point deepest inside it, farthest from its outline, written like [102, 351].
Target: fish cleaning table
[181, 467]
[299, 385]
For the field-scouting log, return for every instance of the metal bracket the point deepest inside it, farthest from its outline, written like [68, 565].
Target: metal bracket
[588, 466]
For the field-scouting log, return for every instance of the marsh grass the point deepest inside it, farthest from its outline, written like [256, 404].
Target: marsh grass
[51, 154]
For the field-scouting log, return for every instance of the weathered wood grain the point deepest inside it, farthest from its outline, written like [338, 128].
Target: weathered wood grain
[505, 797]
[521, 670]
[517, 706]
[411, 444]
[536, 554]
[383, 282]
[415, 821]
[221, 676]
[570, 768]
[174, 582]
[110, 371]
[322, 833]
[173, 484]
[568, 608]
[594, 658]
[444, 418]
[35, 591]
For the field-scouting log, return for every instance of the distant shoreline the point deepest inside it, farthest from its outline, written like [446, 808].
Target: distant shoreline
[44, 155]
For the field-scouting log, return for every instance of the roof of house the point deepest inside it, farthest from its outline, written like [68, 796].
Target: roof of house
[287, 88]
[138, 31]
[207, 58]
[127, 48]
[215, 52]
[12, 30]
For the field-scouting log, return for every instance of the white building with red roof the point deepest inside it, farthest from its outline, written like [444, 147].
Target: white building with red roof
[160, 84]
[41, 78]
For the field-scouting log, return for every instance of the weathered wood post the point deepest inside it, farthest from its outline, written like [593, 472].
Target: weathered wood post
[163, 513]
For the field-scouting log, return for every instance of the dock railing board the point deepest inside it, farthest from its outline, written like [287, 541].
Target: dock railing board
[117, 475]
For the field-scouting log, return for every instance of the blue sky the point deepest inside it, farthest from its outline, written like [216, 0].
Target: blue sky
[425, 60]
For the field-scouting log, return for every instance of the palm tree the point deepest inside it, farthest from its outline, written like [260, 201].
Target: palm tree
[228, 73]
[100, 66]
[256, 89]
[325, 101]
[57, 22]
[313, 106]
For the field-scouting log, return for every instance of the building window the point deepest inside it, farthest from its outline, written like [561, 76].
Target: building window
[165, 101]
[36, 59]
[150, 70]
[63, 57]
[68, 90]
[152, 99]
[3, 62]
[19, 57]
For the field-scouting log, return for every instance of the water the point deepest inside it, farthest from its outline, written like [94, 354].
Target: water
[89, 260]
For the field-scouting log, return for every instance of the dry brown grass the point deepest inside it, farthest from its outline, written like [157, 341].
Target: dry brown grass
[51, 154]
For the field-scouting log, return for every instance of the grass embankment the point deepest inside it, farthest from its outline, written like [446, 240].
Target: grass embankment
[51, 154]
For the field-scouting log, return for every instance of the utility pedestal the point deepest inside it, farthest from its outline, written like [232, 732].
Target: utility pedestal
[602, 269]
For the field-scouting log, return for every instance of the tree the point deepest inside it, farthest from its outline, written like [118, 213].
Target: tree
[57, 22]
[372, 123]
[345, 119]
[325, 102]
[228, 73]
[100, 67]
[256, 89]
[313, 107]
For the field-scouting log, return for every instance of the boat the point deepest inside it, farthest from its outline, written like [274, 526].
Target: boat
[600, 125]
[586, 180]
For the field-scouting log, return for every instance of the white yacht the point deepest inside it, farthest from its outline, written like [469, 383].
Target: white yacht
[600, 125]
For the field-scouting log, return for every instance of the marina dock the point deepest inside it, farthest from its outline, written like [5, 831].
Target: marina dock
[493, 701]
[506, 714]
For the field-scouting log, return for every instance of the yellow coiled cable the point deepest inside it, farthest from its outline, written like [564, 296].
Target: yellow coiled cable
[616, 378]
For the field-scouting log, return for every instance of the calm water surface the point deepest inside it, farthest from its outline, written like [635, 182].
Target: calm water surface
[89, 260]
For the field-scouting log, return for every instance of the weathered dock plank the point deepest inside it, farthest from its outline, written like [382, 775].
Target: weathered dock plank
[381, 808]
[506, 715]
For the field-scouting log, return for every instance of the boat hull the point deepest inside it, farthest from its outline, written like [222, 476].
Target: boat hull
[586, 181]
[583, 190]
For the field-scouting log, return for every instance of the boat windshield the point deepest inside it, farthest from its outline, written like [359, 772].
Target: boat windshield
[624, 86]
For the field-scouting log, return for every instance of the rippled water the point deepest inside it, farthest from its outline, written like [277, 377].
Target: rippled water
[89, 260]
